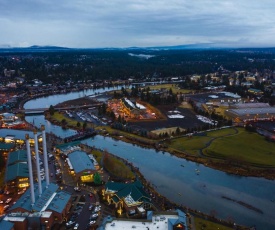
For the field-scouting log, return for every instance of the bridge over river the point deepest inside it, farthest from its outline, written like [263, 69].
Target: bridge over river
[42, 110]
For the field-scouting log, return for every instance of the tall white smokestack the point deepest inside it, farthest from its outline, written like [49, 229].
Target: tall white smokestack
[30, 167]
[46, 165]
[37, 162]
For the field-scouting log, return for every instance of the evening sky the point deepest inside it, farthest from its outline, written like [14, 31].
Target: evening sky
[143, 23]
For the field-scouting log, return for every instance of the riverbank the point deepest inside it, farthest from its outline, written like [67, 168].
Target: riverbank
[221, 165]
[161, 203]
[236, 168]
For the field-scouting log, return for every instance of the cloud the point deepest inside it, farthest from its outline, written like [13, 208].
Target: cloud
[120, 23]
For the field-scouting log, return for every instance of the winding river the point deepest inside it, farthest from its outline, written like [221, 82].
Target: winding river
[181, 181]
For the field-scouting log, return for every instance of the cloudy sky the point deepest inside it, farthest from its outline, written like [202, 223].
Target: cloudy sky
[126, 23]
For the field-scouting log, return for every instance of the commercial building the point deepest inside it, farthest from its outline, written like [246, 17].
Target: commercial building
[43, 203]
[170, 220]
[81, 166]
[127, 197]
[17, 136]
[17, 173]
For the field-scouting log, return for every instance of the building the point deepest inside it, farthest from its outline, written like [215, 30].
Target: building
[170, 220]
[6, 225]
[127, 197]
[251, 111]
[256, 92]
[130, 109]
[17, 172]
[17, 136]
[81, 166]
[9, 120]
[43, 203]
[5, 148]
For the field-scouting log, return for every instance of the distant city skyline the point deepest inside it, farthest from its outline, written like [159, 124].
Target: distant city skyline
[140, 23]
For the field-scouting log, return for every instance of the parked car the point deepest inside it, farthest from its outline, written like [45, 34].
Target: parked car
[94, 216]
[92, 222]
[8, 200]
[76, 226]
[70, 224]
[97, 208]
[6, 207]
[77, 189]
[21, 192]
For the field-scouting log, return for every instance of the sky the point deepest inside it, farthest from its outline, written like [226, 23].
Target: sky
[139, 23]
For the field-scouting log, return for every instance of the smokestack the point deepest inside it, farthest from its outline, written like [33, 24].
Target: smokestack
[30, 167]
[46, 165]
[37, 162]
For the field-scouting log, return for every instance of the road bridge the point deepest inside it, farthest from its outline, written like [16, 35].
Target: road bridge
[42, 110]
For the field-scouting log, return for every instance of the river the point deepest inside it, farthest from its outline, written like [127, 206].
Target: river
[178, 179]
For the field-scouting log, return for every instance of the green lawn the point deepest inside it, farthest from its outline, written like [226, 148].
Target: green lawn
[201, 224]
[174, 88]
[226, 144]
[190, 145]
[221, 132]
[245, 146]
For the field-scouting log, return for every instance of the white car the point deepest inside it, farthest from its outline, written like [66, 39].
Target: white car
[21, 192]
[77, 189]
[76, 226]
[8, 200]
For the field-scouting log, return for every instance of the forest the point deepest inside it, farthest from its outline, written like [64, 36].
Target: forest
[51, 66]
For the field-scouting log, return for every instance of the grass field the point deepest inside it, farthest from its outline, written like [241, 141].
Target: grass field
[208, 225]
[174, 88]
[243, 146]
[70, 122]
[221, 132]
[190, 145]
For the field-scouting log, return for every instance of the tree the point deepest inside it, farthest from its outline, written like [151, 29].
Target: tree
[51, 110]
[78, 124]
[84, 126]
[97, 179]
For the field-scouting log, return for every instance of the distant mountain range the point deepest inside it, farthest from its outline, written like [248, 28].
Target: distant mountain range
[36, 48]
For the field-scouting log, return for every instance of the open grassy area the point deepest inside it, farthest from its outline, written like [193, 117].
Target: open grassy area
[190, 145]
[202, 224]
[70, 122]
[244, 147]
[221, 132]
[117, 168]
[174, 88]
[234, 144]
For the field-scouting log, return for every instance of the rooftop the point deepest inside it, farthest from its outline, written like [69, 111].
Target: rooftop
[17, 156]
[18, 134]
[50, 199]
[154, 221]
[131, 192]
[4, 224]
[6, 146]
[19, 169]
[80, 161]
